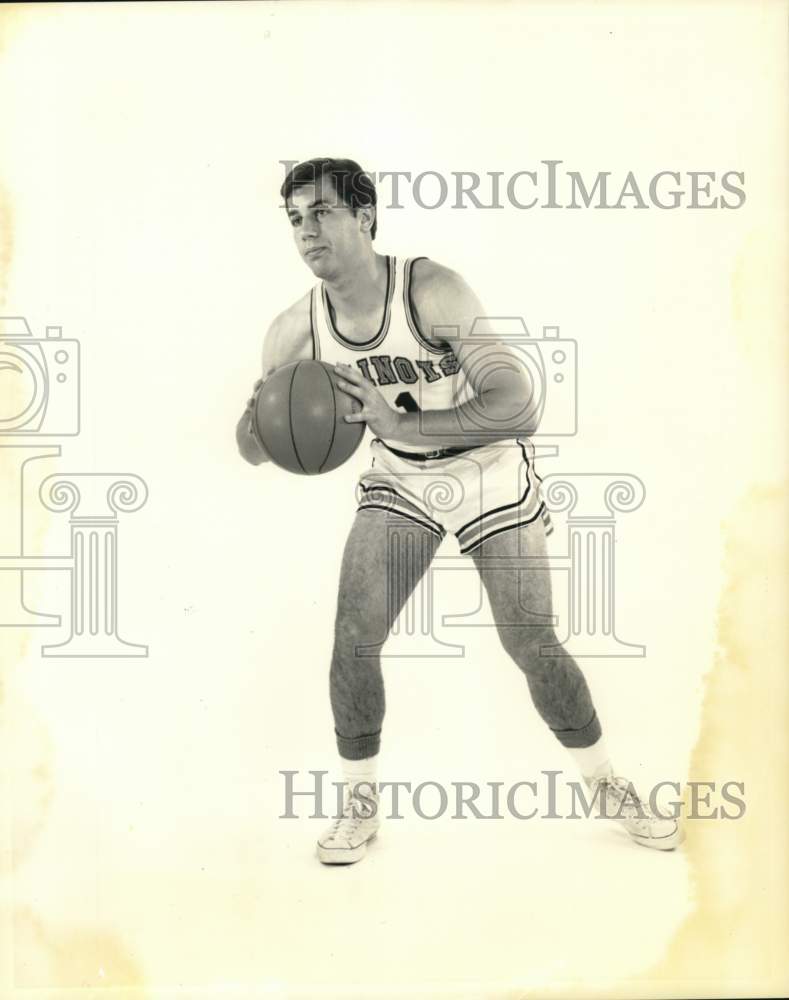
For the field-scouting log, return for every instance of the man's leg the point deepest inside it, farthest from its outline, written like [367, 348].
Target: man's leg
[385, 557]
[520, 599]
[521, 602]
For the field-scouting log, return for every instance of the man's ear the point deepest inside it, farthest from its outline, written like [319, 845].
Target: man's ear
[366, 214]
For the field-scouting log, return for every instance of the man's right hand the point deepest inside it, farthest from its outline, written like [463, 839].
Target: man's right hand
[288, 339]
[249, 444]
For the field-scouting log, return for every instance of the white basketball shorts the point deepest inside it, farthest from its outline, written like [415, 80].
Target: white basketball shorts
[474, 495]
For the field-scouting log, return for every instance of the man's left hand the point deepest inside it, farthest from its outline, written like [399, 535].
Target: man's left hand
[375, 412]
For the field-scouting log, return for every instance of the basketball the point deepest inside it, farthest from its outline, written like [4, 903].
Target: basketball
[299, 415]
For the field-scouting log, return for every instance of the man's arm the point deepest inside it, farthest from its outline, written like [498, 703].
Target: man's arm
[249, 447]
[502, 406]
[289, 338]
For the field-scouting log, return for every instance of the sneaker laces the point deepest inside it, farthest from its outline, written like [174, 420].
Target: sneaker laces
[354, 813]
[630, 805]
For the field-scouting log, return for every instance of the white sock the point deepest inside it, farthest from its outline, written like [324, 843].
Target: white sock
[593, 762]
[357, 771]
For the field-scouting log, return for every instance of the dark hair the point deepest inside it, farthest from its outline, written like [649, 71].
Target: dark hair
[353, 186]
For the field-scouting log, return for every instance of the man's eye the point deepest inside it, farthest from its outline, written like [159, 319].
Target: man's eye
[294, 220]
[321, 211]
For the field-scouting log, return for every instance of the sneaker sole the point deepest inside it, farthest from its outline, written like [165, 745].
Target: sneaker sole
[343, 855]
[661, 843]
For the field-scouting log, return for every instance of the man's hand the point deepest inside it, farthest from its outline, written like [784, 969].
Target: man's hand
[249, 444]
[375, 412]
[252, 401]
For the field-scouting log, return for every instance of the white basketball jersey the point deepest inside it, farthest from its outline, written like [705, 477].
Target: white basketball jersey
[409, 372]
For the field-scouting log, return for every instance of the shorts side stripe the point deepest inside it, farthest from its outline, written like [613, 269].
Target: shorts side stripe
[506, 527]
[507, 506]
[503, 517]
[395, 510]
[398, 501]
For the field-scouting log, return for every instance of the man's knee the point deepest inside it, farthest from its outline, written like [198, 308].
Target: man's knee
[357, 633]
[526, 643]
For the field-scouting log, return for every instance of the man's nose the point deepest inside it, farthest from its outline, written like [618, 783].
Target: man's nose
[309, 228]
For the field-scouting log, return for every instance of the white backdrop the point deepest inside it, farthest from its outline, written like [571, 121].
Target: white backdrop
[140, 177]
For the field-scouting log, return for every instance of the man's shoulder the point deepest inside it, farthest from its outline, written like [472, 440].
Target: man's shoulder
[295, 320]
[428, 275]
[435, 288]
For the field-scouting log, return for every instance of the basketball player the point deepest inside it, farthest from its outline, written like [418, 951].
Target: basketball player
[444, 408]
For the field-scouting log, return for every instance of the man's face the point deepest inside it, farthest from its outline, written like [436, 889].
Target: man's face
[327, 233]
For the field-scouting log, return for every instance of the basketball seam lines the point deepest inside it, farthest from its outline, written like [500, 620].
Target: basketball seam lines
[290, 418]
[334, 421]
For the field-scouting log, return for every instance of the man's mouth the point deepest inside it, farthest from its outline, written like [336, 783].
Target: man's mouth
[314, 251]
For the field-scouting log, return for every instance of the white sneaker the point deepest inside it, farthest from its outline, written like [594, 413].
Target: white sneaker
[345, 841]
[618, 800]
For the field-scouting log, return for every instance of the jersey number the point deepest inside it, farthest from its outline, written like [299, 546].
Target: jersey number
[408, 403]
